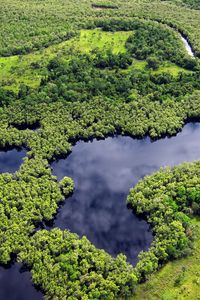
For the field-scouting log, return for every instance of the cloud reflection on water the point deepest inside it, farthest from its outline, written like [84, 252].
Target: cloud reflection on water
[103, 172]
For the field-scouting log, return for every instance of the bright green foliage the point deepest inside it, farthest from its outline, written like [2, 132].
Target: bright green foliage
[29, 197]
[66, 185]
[66, 266]
[96, 39]
[179, 279]
[60, 122]
[166, 198]
[121, 78]
[40, 23]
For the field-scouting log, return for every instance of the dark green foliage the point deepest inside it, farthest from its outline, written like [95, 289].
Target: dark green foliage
[6, 97]
[195, 4]
[112, 61]
[152, 40]
[104, 5]
[153, 62]
[84, 77]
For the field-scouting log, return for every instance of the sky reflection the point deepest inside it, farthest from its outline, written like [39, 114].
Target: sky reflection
[103, 172]
[11, 160]
[15, 284]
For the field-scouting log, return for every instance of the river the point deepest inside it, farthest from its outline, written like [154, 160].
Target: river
[187, 46]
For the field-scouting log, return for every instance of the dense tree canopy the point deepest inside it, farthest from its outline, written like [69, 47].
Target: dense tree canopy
[41, 23]
[67, 267]
[149, 85]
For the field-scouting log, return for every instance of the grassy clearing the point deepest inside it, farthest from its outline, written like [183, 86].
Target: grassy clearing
[97, 39]
[29, 69]
[171, 68]
[15, 70]
[178, 280]
[165, 68]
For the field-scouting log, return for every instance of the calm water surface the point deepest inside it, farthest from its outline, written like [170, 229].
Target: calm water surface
[103, 172]
[11, 160]
[15, 284]
[15, 281]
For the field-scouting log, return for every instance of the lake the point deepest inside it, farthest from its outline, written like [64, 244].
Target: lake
[103, 172]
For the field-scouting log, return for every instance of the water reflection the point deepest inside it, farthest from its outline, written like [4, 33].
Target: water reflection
[103, 172]
[15, 284]
[10, 160]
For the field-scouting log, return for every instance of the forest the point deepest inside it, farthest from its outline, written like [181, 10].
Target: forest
[92, 70]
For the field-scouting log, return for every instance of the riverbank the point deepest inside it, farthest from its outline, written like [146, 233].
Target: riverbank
[179, 279]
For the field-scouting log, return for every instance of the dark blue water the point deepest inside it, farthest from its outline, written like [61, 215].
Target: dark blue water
[15, 281]
[15, 284]
[103, 172]
[11, 160]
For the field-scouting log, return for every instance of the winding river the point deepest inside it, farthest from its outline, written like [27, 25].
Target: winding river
[103, 171]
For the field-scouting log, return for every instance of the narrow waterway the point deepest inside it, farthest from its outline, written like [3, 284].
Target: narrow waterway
[187, 46]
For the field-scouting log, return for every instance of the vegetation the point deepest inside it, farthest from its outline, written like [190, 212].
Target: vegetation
[29, 69]
[190, 3]
[66, 266]
[27, 198]
[104, 5]
[94, 75]
[179, 279]
[40, 23]
[167, 198]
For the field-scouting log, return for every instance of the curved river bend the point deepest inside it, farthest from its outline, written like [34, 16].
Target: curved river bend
[103, 172]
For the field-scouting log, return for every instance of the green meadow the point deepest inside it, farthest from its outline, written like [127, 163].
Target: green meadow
[28, 69]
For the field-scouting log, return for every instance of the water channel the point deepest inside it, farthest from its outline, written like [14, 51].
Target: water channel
[187, 46]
